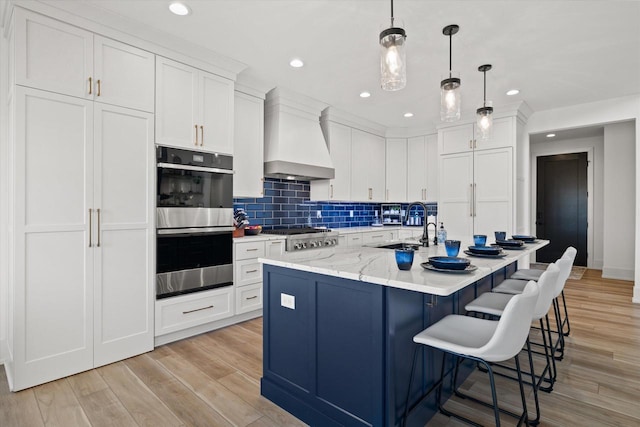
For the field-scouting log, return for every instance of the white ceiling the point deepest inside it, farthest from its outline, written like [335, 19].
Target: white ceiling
[557, 52]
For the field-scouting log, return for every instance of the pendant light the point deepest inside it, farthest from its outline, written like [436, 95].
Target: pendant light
[484, 114]
[393, 69]
[450, 87]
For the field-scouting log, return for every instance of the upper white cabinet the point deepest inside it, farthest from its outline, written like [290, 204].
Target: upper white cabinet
[248, 146]
[338, 137]
[194, 109]
[61, 58]
[84, 274]
[396, 170]
[422, 168]
[367, 167]
[477, 180]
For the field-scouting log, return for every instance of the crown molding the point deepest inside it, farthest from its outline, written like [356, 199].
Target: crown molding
[333, 114]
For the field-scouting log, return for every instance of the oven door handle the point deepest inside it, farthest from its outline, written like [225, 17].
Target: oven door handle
[195, 230]
[194, 168]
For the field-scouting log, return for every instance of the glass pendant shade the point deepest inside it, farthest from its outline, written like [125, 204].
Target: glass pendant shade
[484, 121]
[393, 68]
[450, 99]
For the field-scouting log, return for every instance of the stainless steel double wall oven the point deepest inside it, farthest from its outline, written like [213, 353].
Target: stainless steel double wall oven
[194, 201]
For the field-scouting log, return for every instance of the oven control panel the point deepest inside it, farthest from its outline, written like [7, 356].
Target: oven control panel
[316, 241]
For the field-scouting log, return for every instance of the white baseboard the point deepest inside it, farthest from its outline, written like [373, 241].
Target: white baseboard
[618, 273]
[4, 353]
[636, 294]
[597, 264]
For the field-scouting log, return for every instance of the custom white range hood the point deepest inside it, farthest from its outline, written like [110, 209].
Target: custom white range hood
[294, 147]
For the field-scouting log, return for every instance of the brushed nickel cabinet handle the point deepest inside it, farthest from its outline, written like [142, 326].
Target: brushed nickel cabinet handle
[475, 202]
[253, 297]
[90, 85]
[471, 143]
[197, 309]
[98, 87]
[331, 191]
[90, 227]
[201, 135]
[196, 126]
[252, 250]
[98, 210]
[370, 193]
[252, 271]
[470, 199]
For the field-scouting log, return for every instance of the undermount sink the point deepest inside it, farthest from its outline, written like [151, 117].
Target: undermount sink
[400, 245]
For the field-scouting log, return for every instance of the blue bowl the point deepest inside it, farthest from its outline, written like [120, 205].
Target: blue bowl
[449, 263]
[485, 250]
[479, 239]
[524, 238]
[452, 247]
[404, 258]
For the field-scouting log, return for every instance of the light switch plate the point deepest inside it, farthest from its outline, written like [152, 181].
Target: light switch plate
[288, 301]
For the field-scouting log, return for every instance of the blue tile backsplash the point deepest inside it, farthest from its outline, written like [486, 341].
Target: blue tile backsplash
[286, 203]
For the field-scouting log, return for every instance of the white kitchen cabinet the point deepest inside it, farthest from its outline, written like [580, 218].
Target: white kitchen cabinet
[83, 271]
[61, 58]
[476, 193]
[378, 236]
[367, 167]
[396, 170]
[248, 180]
[422, 168]
[247, 271]
[194, 109]
[338, 138]
[354, 239]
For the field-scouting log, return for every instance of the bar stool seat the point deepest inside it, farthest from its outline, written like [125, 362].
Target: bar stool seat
[511, 286]
[527, 274]
[489, 303]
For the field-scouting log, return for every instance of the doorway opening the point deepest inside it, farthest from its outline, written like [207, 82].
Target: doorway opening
[561, 205]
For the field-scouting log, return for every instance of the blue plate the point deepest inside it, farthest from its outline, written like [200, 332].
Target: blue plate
[524, 238]
[449, 262]
[510, 243]
[485, 250]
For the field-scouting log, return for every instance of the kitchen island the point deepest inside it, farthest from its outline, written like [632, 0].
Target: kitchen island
[338, 329]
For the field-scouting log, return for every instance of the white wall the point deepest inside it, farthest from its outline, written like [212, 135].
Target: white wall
[3, 195]
[599, 113]
[596, 176]
[619, 200]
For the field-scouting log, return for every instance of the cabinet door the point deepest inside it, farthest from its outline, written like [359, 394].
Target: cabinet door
[274, 248]
[340, 152]
[176, 88]
[124, 268]
[396, 170]
[503, 135]
[367, 166]
[53, 287]
[53, 56]
[248, 146]
[215, 105]
[493, 191]
[124, 75]
[416, 169]
[456, 139]
[455, 207]
[431, 148]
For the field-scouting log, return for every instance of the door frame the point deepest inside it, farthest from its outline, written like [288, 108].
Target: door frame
[552, 151]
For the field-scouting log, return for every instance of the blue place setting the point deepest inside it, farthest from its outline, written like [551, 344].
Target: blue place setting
[479, 239]
[446, 264]
[485, 250]
[510, 244]
[452, 247]
[524, 238]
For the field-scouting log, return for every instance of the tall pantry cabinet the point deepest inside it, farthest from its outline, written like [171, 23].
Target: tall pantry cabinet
[81, 227]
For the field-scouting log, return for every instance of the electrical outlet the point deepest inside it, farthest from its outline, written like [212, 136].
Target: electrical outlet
[351, 214]
[318, 214]
[288, 301]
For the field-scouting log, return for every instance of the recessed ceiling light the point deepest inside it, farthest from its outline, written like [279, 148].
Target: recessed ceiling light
[513, 92]
[291, 178]
[179, 8]
[408, 114]
[364, 94]
[551, 135]
[296, 63]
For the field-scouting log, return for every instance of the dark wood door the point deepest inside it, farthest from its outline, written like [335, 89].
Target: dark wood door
[562, 206]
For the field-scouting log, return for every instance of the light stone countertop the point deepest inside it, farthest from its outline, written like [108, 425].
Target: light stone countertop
[259, 238]
[378, 266]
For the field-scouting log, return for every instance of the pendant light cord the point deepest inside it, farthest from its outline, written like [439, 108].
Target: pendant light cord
[450, 52]
[484, 101]
[391, 13]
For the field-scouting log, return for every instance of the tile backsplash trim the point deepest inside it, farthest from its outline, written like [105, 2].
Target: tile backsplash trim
[286, 203]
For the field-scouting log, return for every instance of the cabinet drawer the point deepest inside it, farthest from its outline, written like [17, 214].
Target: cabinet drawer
[175, 314]
[354, 239]
[249, 250]
[376, 237]
[249, 298]
[247, 271]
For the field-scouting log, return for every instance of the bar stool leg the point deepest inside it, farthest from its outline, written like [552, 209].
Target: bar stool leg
[566, 316]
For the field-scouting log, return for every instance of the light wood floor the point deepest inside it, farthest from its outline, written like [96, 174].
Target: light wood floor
[213, 379]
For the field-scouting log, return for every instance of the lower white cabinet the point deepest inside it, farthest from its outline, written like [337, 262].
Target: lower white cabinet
[378, 236]
[182, 312]
[354, 239]
[247, 271]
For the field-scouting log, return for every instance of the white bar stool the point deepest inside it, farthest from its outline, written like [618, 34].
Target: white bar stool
[494, 304]
[483, 341]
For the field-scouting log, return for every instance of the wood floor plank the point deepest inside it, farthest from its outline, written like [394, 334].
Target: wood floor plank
[18, 409]
[59, 406]
[189, 408]
[223, 400]
[144, 406]
[210, 364]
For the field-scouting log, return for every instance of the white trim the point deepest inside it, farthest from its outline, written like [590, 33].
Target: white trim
[551, 150]
[332, 114]
[618, 274]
